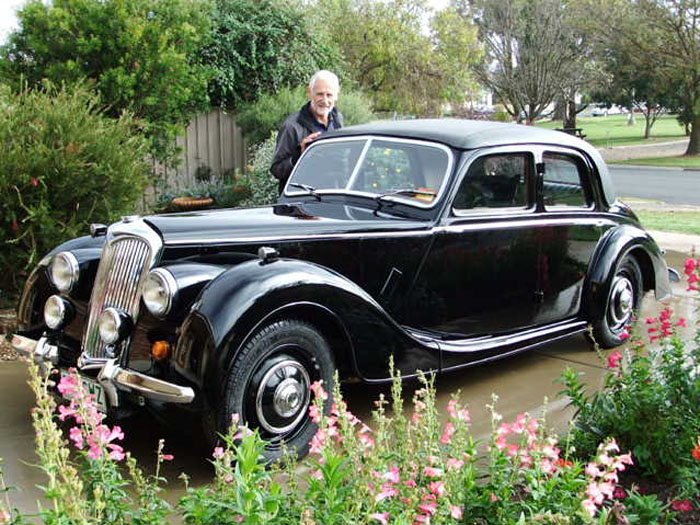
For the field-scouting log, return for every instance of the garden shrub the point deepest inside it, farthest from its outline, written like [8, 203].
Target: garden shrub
[650, 402]
[259, 119]
[63, 166]
[264, 188]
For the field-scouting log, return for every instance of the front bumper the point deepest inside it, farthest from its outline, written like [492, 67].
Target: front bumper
[112, 377]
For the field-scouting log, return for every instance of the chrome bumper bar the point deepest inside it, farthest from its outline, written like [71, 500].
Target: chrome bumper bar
[111, 377]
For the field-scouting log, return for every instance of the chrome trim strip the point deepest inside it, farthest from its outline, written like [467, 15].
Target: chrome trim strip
[493, 343]
[295, 238]
[476, 225]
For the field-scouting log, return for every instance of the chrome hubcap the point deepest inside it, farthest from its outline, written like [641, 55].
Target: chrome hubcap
[621, 302]
[282, 396]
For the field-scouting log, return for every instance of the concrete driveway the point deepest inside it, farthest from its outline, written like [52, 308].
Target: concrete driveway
[522, 383]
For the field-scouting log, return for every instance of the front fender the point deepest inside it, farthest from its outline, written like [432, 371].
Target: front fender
[235, 304]
[616, 244]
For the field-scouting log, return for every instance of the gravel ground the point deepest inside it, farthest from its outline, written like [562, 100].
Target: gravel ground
[7, 325]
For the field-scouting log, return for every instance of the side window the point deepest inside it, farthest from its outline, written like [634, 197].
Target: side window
[564, 181]
[495, 181]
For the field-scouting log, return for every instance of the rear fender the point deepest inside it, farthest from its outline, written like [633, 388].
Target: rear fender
[616, 244]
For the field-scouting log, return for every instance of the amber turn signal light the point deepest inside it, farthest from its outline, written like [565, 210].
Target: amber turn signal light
[160, 350]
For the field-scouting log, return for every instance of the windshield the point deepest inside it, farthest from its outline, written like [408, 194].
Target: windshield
[373, 166]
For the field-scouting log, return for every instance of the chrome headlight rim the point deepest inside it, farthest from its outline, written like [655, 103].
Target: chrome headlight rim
[56, 312]
[66, 280]
[113, 325]
[159, 292]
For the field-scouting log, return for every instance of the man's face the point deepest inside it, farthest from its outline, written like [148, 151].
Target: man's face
[322, 98]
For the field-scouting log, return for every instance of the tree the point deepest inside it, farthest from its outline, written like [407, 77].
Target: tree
[138, 54]
[635, 87]
[533, 49]
[458, 49]
[663, 35]
[261, 46]
[389, 55]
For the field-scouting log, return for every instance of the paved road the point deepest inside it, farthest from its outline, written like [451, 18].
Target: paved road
[669, 185]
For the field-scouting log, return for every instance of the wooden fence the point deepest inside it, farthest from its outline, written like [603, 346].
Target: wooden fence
[213, 142]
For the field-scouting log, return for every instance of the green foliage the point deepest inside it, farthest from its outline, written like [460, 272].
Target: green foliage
[244, 490]
[259, 119]
[649, 403]
[262, 117]
[258, 47]
[64, 165]
[137, 53]
[388, 54]
[645, 509]
[262, 185]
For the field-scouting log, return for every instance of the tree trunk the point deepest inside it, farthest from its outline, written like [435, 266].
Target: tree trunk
[694, 143]
[570, 121]
[631, 121]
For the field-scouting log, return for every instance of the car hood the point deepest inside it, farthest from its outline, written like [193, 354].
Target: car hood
[277, 222]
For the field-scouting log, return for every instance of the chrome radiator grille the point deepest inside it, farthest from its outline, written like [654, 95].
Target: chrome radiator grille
[125, 261]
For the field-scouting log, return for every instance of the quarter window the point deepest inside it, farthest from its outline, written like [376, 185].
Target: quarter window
[495, 181]
[563, 181]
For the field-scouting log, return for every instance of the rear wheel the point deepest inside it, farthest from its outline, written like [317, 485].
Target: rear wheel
[624, 298]
[269, 384]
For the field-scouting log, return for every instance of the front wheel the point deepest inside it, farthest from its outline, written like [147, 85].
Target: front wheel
[624, 298]
[269, 384]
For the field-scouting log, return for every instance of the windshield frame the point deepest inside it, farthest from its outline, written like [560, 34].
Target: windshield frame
[403, 199]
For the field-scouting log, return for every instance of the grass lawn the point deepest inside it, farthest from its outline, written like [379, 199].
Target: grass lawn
[670, 221]
[669, 162]
[614, 131]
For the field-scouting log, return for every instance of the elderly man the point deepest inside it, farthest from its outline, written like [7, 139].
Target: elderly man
[306, 125]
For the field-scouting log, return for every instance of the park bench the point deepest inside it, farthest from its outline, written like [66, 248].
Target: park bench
[577, 132]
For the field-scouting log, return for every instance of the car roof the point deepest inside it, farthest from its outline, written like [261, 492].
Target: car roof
[462, 133]
[473, 134]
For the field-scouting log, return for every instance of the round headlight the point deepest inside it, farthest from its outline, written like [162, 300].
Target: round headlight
[159, 291]
[114, 325]
[55, 312]
[64, 271]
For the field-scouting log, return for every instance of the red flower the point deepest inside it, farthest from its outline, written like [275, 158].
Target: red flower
[690, 266]
[34, 181]
[620, 493]
[14, 226]
[696, 451]
[682, 506]
[562, 463]
[614, 359]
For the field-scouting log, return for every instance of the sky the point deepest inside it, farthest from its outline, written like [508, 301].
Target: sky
[8, 19]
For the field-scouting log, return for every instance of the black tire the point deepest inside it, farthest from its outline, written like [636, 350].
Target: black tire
[268, 384]
[624, 298]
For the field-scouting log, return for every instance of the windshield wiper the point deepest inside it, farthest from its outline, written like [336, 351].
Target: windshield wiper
[309, 189]
[406, 191]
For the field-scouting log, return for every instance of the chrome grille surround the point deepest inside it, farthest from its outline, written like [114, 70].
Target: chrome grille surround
[131, 249]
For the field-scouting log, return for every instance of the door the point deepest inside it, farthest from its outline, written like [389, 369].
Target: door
[479, 276]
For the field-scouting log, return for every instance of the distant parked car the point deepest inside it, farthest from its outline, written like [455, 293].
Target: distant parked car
[438, 243]
[604, 111]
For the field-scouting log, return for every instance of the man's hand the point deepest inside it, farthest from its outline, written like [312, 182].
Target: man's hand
[308, 140]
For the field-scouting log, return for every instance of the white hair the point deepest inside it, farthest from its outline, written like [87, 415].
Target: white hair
[326, 75]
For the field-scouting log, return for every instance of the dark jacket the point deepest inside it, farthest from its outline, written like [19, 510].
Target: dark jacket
[297, 126]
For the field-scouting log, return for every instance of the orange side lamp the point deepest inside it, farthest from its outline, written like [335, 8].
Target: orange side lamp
[161, 350]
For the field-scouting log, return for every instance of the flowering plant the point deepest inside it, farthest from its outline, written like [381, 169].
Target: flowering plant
[649, 401]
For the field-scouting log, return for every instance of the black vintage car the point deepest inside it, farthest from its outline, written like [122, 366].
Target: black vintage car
[442, 243]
